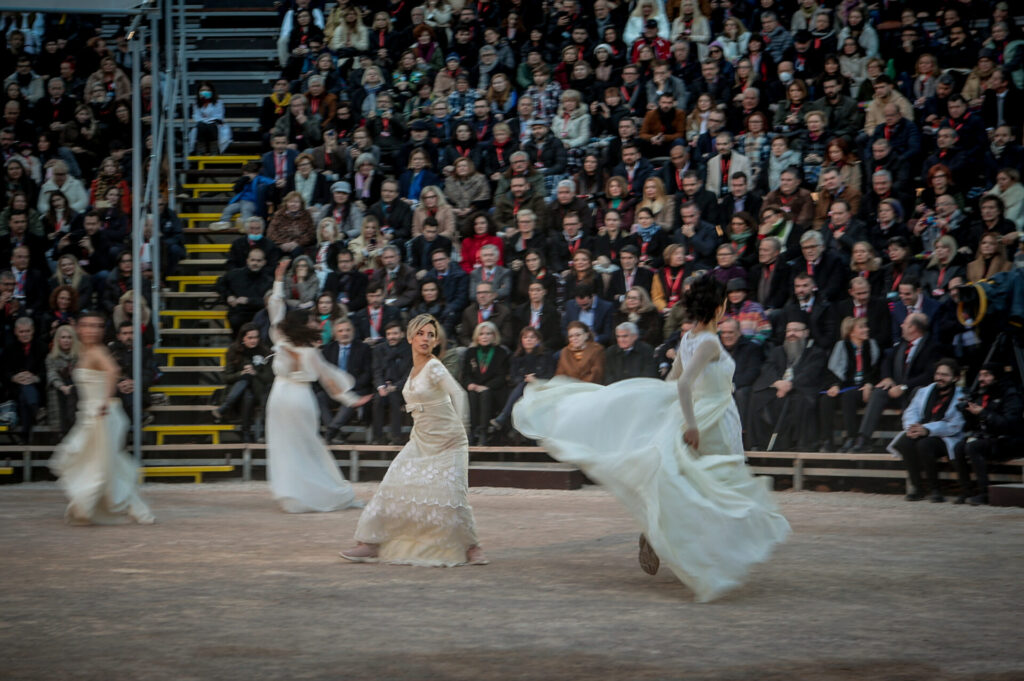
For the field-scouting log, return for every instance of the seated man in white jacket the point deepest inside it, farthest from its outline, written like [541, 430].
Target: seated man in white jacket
[932, 425]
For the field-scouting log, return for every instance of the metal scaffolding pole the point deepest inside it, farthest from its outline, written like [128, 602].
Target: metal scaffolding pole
[156, 130]
[167, 7]
[135, 39]
[183, 77]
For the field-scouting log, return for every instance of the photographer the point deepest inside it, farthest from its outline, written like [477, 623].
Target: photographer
[993, 417]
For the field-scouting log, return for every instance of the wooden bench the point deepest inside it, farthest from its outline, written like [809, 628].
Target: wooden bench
[239, 160]
[194, 315]
[186, 390]
[213, 430]
[194, 472]
[203, 187]
[186, 280]
[193, 218]
[174, 354]
[207, 248]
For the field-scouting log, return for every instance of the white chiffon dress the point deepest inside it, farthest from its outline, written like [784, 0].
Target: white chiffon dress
[96, 474]
[420, 514]
[702, 511]
[302, 472]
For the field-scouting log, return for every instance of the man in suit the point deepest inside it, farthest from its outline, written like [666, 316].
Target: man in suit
[679, 163]
[699, 237]
[792, 371]
[748, 357]
[1001, 104]
[739, 199]
[630, 357]
[18, 234]
[769, 279]
[902, 133]
[418, 250]
[628, 275]
[347, 283]
[394, 214]
[862, 304]
[372, 319]
[906, 367]
[634, 168]
[832, 190]
[813, 310]
[541, 314]
[595, 312]
[25, 372]
[392, 362]
[824, 266]
[355, 357]
[243, 288]
[279, 166]
[563, 244]
[490, 271]
[694, 192]
[252, 238]
[519, 197]
[30, 285]
[396, 278]
[454, 285]
[723, 165]
[912, 299]
[485, 309]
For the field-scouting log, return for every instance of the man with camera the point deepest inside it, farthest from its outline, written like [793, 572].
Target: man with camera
[994, 417]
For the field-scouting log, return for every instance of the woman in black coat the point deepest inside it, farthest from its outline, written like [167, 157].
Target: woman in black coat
[485, 377]
[529, 363]
[248, 376]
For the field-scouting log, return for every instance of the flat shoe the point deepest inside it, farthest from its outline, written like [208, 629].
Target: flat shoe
[359, 559]
[649, 561]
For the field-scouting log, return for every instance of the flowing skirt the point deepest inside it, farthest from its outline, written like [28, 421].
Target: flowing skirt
[303, 475]
[97, 476]
[702, 511]
[420, 514]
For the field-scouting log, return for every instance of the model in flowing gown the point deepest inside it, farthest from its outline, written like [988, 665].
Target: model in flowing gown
[420, 514]
[93, 469]
[303, 475]
[701, 510]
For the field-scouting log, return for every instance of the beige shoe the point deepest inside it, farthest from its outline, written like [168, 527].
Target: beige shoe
[220, 225]
[362, 553]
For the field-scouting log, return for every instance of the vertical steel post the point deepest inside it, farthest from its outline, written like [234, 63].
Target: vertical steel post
[155, 129]
[138, 149]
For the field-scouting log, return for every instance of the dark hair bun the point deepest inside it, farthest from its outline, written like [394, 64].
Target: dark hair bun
[705, 295]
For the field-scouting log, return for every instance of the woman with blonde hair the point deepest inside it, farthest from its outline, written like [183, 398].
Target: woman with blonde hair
[571, 127]
[70, 273]
[616, 197]
[853, 369]
[582, 358]
[367, 247]
[60, 387]
[662, 206]
[941, 268]
[691, 25]
[328, 243]
[697, 119]
[638, 308]
[123, 312]
[734, 39]
[644, 11]
[433, 204]
[991, 258]
[866, 264]
[420, 514]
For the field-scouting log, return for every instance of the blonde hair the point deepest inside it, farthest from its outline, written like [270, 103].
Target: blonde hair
[646, 304]
[293, 195]
[848, 324]
[945, 240]
[320, 230]
[422, 321]
[486, 325]
[76, 346]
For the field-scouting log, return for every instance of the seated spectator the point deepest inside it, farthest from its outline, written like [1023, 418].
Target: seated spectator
[780, 158]
[367, 247]
[833, 188]
[300, 128]
[278, 164]
[90, 247]
[753, 322]
[889, 222]
[791, 199]
[62, 310]
[485, 367]
[311, 185]
[582, 358]
[251, 195]
[62, 181]
[530, 362]
[906, 367]
[727, 267]
[122, 350]
[992, 218]
[429, 301]
[467, 190]
[769, 281]
[397, 279]
[522, 238]
[123, 312]
[61, 397]
[663, 125]
[724, 165]
[993, 427]
[862, 303]
[211, 134]
[393, 214]
[434, 205]
[375, 316]
[900, 266]
[118, 283]
[597, 313]
[991, 258]
[291, 228]
[638, 309]
[539, 313]
[483, 232]
[70, 273]
[490, 271]
[1008, 187]
[748, 357]
[328, 243]
[345, 213]
[809, 306]
[853, 370]
[366, 181]
[630, 357]
[418, 250]
[347, 283]
[25, 373]
[243, 288]
[453, 285]
[353, 356]
[418, 176]
[248, 376]
[392, 362]
[932, 425]
[251, 238]
[111, 77]
[486, 308]
[825, 267]
[301, 284]
[18, 235]
[941, 268]
[791, 377]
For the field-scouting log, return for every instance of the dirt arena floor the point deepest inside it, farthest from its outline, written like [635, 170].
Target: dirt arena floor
[226, 587]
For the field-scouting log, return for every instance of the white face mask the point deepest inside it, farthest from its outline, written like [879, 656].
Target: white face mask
[786, 77]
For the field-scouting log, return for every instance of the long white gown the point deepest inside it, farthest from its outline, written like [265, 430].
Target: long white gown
[93, 469]
[702, 511]
[303, 475]
[420, 514]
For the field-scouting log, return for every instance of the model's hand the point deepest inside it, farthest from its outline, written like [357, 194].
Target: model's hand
[691, 436]
[282, 267]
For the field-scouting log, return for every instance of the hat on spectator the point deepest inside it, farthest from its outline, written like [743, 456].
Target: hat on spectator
[651, 23]
[488, 49]
[539, 120]
[341, 187]
[988, 53]
[462, 76]
[606, 47]
[736, 284]
[419, 124]
[994, 368]
[453, 56]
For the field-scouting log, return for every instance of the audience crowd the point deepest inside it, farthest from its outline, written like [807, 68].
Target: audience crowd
[547, 178]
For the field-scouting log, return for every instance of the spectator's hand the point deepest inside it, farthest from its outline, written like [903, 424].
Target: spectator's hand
[782, 388]
[248, 370]
[232, 301]
[279, 183]
[975, 408]
[688, 231]
[281, 268]
[896, 392]
[516, 265]
[472, 387]
[289, 246]
[885, 384]
[382, 391]
[126, 385]
[833, 391]
[916, 430]
[865, 391]
[671, 353]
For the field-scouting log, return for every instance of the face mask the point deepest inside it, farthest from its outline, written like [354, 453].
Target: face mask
[786, 77]
[206, 94]
[255, 237]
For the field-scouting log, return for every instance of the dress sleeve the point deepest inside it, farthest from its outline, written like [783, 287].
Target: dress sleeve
[439, 376]
[335, 382]
[707, 351]
[275, 310]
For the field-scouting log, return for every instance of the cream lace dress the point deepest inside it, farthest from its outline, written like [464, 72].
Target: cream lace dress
[94, 471]
[420, 514]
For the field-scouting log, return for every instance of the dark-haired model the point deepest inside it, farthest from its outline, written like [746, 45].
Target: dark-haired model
[303, 475]
[678, 464]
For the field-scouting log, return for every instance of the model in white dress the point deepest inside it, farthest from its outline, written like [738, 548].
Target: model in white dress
[702, 511]
[94, 471]
[303, 475]
[420, 514]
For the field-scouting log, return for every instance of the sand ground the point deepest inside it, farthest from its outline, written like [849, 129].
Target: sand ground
[226, 587]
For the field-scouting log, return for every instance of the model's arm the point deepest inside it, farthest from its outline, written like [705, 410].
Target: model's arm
[276, 305]
[706, 352]
[456, 393]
